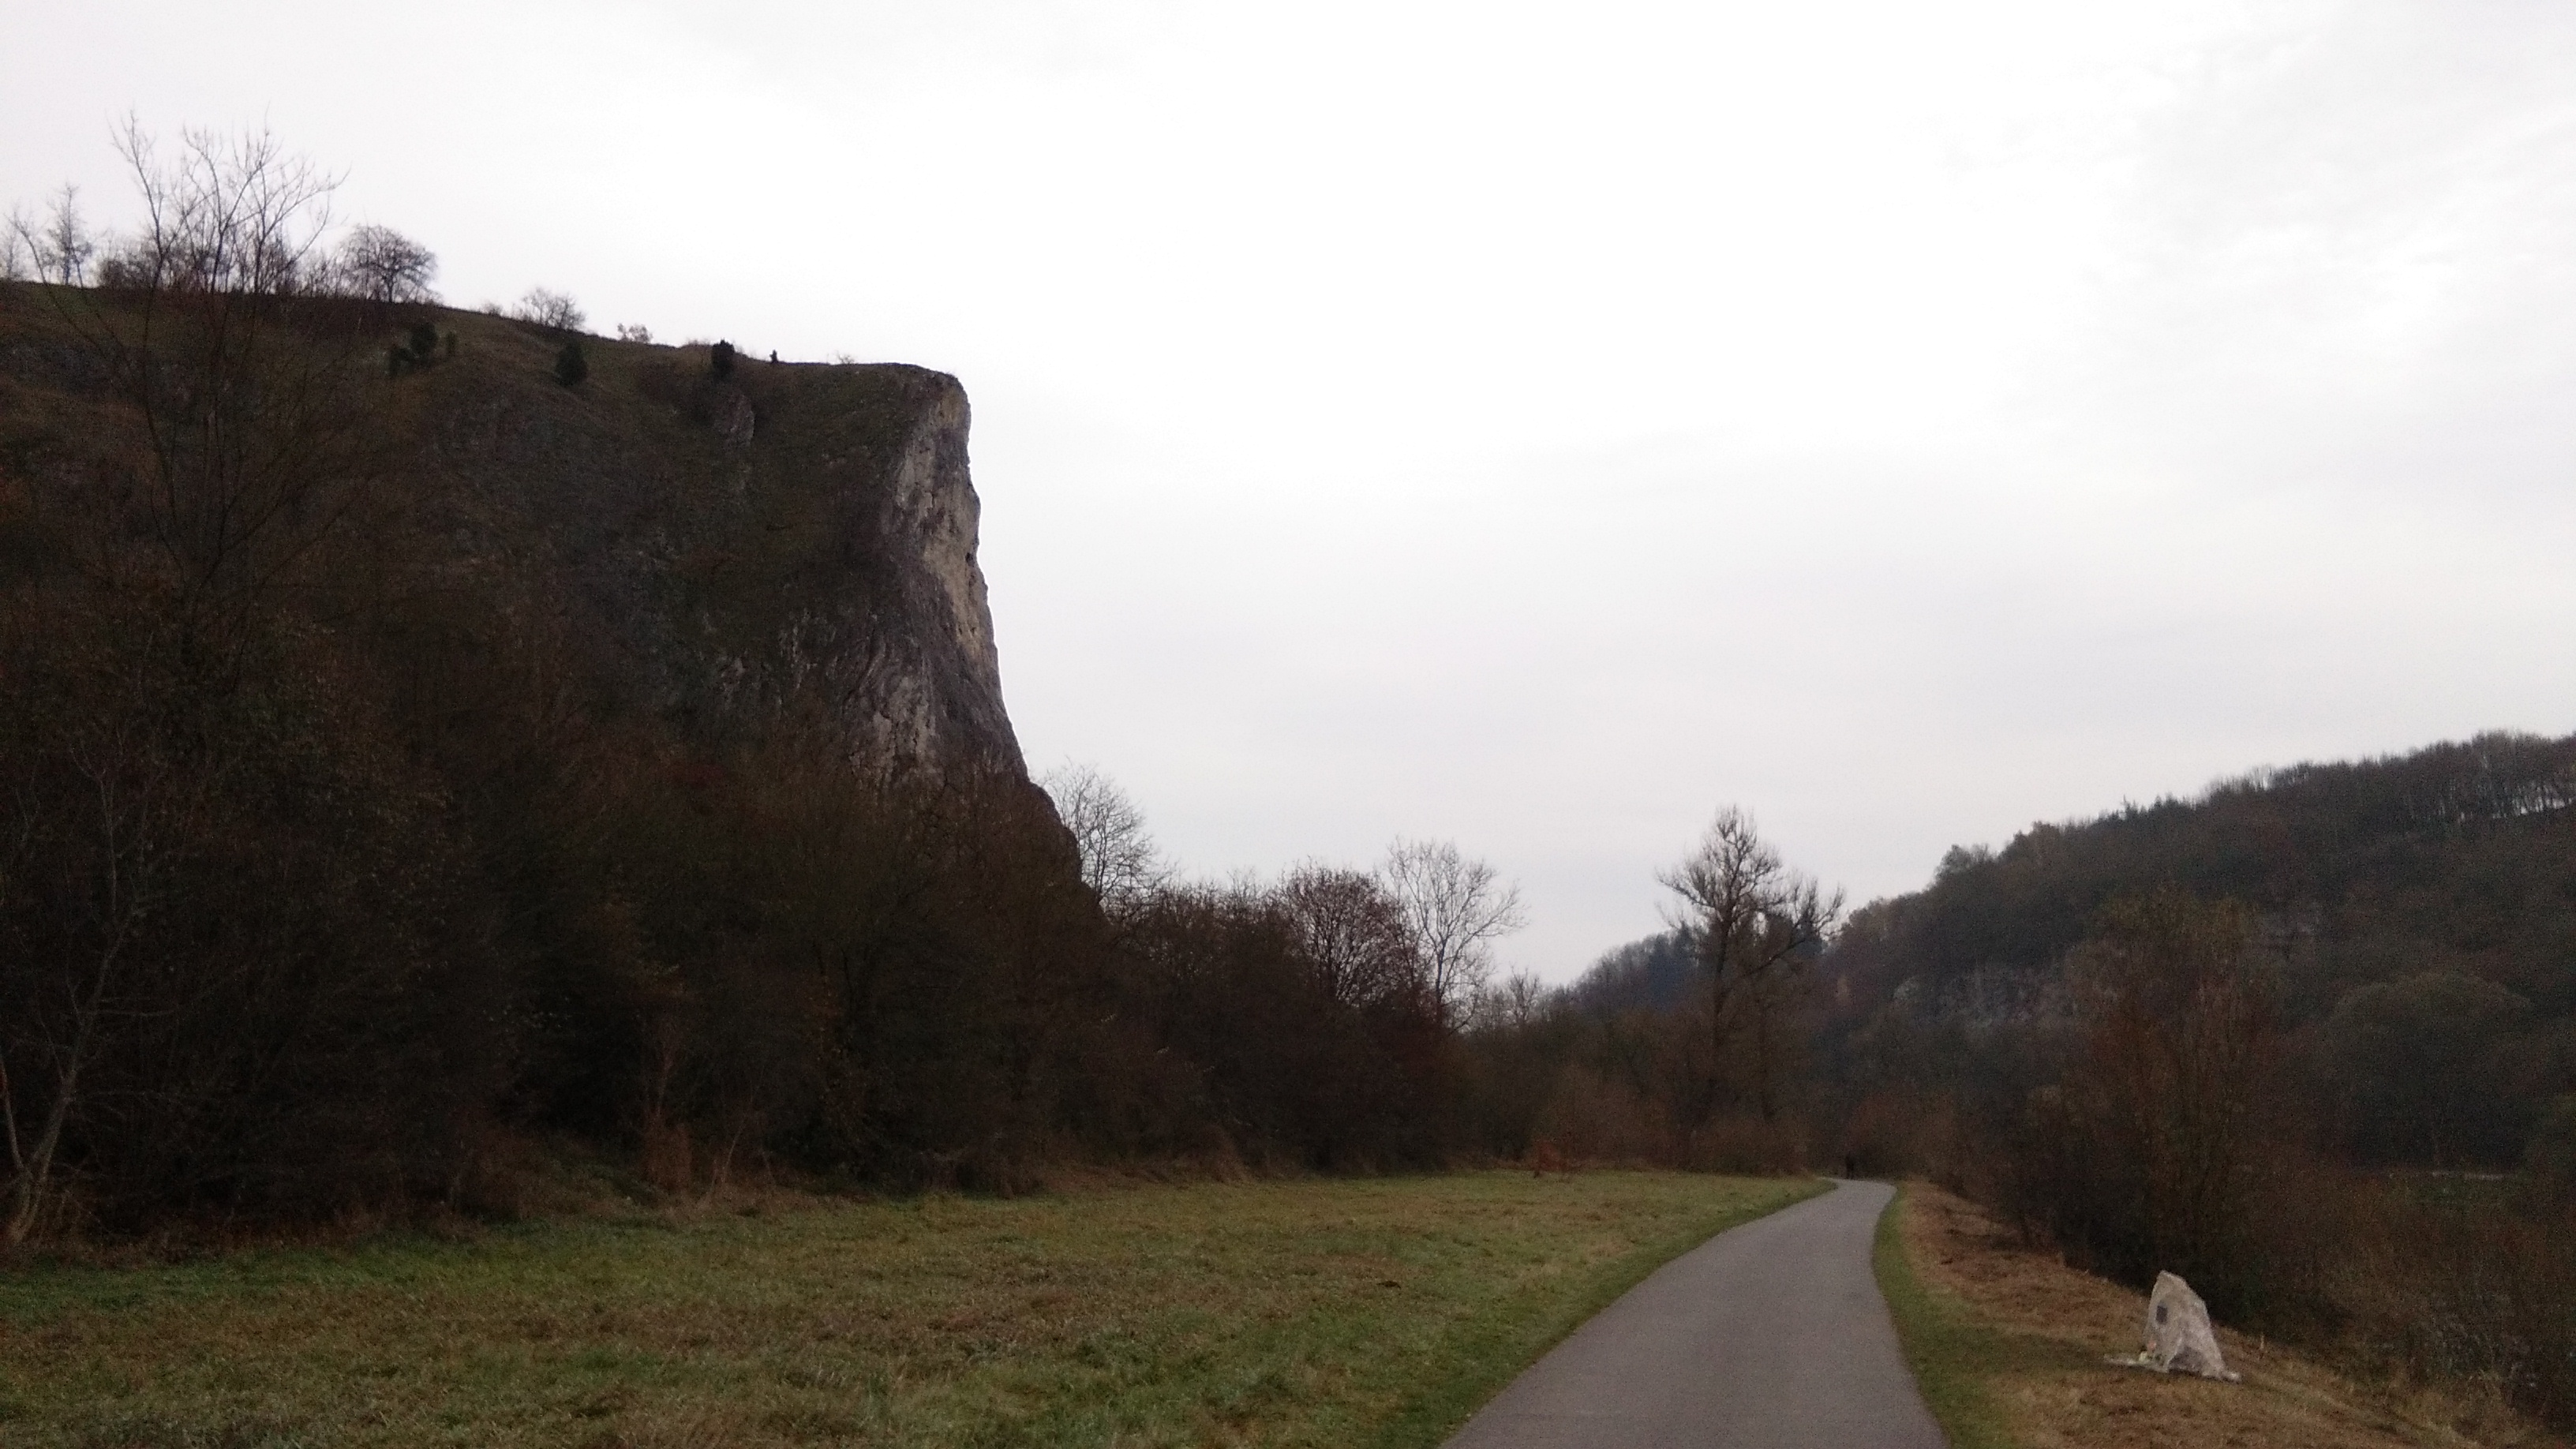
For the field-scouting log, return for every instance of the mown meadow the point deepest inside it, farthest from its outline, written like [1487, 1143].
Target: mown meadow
[1325, 1312]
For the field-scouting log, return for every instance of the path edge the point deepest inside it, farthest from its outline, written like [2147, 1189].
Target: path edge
[1945, 1348]
[1431, 1421]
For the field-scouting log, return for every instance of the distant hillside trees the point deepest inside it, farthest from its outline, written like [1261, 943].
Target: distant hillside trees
[2305, 1022]
[2421, 911]
[251, 421]
[382, 265]
[1657, 973]
[225, 216]
[56, 248]
[2439, 1068]
[552, 310]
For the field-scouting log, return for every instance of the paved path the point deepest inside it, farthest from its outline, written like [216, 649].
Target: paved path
[1767, 1336]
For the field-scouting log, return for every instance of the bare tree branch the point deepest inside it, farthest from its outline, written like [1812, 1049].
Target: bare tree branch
[1119, 861]
[1353, 933]
[1457, 908]
[1753, 923]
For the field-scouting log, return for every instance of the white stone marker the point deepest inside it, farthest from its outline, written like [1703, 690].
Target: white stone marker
[2179, 1338]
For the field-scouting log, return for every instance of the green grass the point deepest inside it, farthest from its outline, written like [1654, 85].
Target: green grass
[1376, 1312]
[1952, 1355]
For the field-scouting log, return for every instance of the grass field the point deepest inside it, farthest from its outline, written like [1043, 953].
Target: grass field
[1374, 1312]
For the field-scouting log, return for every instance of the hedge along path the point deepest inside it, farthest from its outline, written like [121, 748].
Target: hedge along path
[1349, 1312]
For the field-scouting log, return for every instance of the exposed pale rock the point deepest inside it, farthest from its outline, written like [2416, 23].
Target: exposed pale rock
[738, 420]
[933, 690]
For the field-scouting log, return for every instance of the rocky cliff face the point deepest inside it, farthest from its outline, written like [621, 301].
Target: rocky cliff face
[787, 539]
[934, 692]
[793, 537]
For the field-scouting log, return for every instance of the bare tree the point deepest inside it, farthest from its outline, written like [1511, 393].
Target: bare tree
[1457, 908]
[1754, 924]
[17, 257]
[1119, 861]
[251, 423]
[1519, 999]
[549, 309]
[1352, 933]
[55, 249]
[233, 216]
[382, 265]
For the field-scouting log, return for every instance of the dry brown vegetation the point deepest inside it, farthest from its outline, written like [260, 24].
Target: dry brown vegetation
[2053, 1386]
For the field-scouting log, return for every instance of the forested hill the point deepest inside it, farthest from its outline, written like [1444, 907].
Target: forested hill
[2415, 904]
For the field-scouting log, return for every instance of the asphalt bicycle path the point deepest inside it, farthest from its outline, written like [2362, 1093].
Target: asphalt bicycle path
[1768, 1336]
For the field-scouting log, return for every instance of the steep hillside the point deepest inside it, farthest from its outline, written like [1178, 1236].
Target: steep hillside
[2416, 916]
[425, 733]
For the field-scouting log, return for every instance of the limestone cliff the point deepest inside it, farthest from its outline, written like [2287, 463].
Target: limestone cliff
[785, 538]
[936, 692]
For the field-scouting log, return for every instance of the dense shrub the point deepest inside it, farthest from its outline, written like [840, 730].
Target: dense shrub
[1272, 1065]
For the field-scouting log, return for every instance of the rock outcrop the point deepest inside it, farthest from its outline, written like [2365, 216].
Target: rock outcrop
[800, 538]
[934, 690]
[789, 539]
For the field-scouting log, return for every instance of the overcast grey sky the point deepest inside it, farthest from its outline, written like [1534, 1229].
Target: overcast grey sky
[1536, 425]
